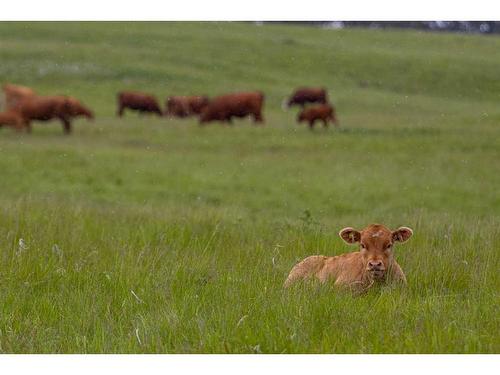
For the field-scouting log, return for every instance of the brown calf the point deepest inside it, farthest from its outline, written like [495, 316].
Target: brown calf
[137, 101]
[45, 108]
[320, 112]
[225, 107]
[374, 262]
[305, 95]
[184, 106]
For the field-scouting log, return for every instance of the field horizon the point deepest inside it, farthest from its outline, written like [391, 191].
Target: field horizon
[153, 235]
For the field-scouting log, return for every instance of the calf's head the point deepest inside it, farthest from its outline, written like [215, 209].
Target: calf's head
[376, 246]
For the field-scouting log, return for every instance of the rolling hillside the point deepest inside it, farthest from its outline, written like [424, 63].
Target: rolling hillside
[145, 234]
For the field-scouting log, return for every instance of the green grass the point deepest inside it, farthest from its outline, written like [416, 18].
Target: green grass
[148, 235]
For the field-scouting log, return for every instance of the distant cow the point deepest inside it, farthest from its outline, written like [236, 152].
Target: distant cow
[225, 107]
[11, 118]
[320, 112]
[184, 106]
[305, 95]
[45, 108]
[15, 93]
[373, 263]
[137, 101]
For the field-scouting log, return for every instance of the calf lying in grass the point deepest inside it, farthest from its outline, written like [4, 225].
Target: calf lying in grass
[374, 262]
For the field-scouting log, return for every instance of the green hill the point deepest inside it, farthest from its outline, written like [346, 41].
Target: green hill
[145, 234]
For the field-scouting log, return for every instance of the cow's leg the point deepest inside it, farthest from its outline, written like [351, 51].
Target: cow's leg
[27, 126]
[229, 120]
[311, 124]
[325, 123]
[121, 109]
[19, 126]
[257, 117]
[66, 125]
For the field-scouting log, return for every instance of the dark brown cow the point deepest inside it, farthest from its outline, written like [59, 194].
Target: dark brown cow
[184, 106]
[137, 101]
[305, 95]
[13, 119]
[45, 108]
[225, 107]
[321, 112]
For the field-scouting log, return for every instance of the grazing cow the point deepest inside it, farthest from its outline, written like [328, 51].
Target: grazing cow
[225, 107]
[373, 263]
[321, 112]
[305, 95]
[45, 108]
[15, 93]
[137, 101]
[184, 106]
[12, 118]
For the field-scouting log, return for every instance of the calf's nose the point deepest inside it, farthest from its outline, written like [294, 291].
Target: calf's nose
[375, 263]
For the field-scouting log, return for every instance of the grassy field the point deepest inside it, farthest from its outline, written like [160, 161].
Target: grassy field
[148, 235]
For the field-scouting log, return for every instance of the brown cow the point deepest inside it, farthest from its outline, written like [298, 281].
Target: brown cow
[225, 107]
[321, 112]
[45, 108]
[13, 119]
[184, 106]
[15, 93]
[305, 95]
[373, 263]
[137, 101]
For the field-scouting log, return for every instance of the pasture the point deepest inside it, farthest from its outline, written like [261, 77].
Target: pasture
[148, 235]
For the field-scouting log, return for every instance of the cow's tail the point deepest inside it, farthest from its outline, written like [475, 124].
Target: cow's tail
[305, 269]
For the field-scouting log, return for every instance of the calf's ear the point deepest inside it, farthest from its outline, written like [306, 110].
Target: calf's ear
[350, 235]
[402, 234]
